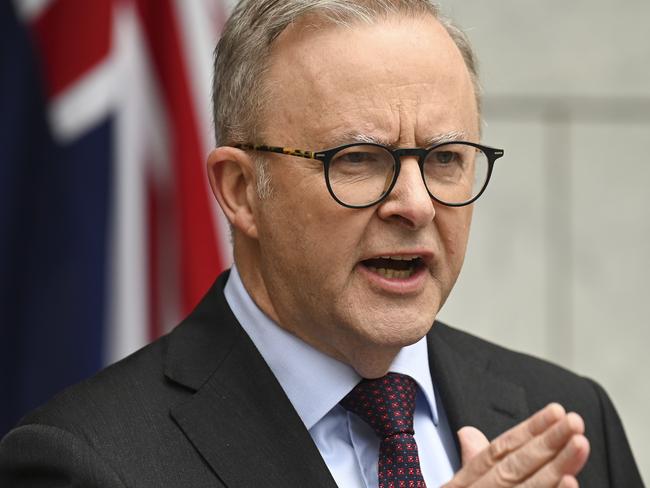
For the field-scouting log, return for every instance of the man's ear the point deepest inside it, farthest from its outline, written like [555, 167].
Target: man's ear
[232, 179]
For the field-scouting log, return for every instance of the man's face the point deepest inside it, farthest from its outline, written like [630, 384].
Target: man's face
[401, 81]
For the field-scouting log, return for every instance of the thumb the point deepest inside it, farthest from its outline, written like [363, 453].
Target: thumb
[472, 441]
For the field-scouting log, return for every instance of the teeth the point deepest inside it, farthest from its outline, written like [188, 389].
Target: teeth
[400, 258]
[392, 273]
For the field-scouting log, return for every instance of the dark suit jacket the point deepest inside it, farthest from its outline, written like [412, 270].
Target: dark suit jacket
[200, 408]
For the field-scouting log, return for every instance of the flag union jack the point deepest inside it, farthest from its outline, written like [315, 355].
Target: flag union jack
[110, 234]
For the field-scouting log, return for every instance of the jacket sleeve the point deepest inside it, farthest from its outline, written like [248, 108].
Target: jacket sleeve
[621, 466]
[40, 456]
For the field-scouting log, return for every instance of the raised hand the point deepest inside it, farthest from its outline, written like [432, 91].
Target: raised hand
[546, 450]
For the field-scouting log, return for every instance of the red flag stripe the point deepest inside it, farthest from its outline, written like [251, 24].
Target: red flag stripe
[153, 248]
[199, 257]
[73, 36]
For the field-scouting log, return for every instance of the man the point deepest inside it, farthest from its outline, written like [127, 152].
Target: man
[345, 249]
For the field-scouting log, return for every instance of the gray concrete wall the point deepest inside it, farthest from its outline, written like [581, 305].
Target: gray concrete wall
[559, 260]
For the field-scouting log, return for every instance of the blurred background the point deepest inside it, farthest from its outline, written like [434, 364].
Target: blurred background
[558, 263]
[109, 235]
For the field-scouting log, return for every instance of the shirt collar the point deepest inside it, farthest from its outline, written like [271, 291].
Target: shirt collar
[314, 399]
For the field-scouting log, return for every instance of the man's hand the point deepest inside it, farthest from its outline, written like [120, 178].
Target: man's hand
[546, 450]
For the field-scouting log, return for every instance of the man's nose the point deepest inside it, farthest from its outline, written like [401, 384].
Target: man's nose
[409, 202]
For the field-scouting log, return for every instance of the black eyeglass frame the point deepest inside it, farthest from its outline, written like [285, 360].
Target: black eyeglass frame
[326, 156]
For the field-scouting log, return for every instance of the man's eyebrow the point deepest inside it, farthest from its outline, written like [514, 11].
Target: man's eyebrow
[351, 137]
[456, 135]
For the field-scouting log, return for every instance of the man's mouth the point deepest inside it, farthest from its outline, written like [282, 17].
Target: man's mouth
[394, 267]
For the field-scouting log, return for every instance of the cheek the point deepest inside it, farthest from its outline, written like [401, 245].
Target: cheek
[325, 229]
[453, 225]
[311, 236]
[333, 236]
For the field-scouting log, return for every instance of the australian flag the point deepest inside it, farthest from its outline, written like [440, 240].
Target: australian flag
[108, 231]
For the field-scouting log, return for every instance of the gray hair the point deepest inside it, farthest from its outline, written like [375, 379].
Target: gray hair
[239, 92]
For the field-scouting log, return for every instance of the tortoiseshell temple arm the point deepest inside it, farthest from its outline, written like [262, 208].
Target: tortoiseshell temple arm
[276, 149]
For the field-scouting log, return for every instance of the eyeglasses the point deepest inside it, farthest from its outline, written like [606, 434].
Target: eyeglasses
[361, 175]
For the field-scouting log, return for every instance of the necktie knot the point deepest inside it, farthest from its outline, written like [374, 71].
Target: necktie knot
[386, 404]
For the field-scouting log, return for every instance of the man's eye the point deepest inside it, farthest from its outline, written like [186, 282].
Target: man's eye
[357, 157]
[446, 157]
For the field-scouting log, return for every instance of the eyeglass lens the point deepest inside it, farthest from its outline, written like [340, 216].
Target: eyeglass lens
[453, 173]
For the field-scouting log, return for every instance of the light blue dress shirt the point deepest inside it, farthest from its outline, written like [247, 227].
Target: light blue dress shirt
[315, 383]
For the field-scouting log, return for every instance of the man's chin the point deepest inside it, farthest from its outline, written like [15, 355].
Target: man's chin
[398, 332]
[376, 351]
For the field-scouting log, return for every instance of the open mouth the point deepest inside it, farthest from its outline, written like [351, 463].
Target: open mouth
[394, 267]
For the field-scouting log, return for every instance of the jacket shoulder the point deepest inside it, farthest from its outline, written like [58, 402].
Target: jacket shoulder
[103, 399]
[532, 373]
[611, 462]
[139, 387]
[114, 429]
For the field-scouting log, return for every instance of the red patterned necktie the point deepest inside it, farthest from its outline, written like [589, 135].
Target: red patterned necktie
[387, 405]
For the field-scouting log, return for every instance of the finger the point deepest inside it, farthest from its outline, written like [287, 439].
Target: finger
[568, 482]
[568, 462]
[506, 443]
[535, 455]
[472, 441]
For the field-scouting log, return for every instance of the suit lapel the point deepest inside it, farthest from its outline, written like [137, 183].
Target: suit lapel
[244, 426]
[471, 394]
[239, 419]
